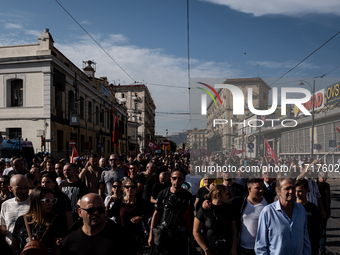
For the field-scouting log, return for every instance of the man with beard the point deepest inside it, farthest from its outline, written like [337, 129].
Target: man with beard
[91, 173]
[97, 235]
[14, 207]
[73, 187]
[173, 213]
[282, 227]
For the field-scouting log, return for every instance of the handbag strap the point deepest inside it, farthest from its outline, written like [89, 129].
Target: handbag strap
[27, 228]
[48, 228]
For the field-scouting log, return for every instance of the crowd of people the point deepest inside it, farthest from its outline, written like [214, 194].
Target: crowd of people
[122, 204]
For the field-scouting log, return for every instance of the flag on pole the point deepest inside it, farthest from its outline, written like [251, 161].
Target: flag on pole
[153, 146]
[74, 154]
[338, 129]
[116, 133]
[269, 151]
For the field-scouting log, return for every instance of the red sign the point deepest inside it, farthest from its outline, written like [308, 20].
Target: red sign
[72, 143]
[166, 142]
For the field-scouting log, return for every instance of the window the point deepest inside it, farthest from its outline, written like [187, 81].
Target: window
[58, 99]
[123, 95]
[16, 93]
[136, 106]
[91, 143]
[97, 115]
[89, 112]
[102, 117]
[81, 106]
[108, 120]
[71, 102]
[14, 133]
[82, 142]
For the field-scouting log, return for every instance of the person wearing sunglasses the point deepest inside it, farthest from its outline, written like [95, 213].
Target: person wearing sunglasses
[172, 219]
[130, 210]
[97, 235]
[117, 194]
[109, 177]
[39, 218]
[140, 179]
[63, 205]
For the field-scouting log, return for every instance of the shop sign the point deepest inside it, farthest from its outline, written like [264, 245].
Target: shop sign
[333, 94]
[319, 103]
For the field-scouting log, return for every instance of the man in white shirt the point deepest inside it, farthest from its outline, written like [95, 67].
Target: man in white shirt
[14, 207]
[251, 210]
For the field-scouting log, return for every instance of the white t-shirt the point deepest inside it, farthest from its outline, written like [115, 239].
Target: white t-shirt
[10, 211]
[194, 182]
[250, 218]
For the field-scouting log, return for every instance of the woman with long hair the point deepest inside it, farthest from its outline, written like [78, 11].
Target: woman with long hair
[63, 205]
[40, 219]
[129, 211]
[219, 226]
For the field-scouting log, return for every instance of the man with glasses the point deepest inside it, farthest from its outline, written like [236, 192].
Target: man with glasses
[97, 235]
[173, 213]
[109, 177]
[14, 207]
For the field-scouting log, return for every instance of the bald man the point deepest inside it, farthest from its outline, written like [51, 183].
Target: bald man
[163, 183]
[14, 207]
[97, 235]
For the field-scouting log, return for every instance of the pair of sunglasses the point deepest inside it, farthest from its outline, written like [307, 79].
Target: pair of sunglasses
[92, 210]
[113, 159]
[4, 182]
[48, 200]
[177, 178]
[130, 187]
[116, 186]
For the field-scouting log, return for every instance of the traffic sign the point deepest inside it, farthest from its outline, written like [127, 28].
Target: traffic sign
[1, 139]
[72, 143]
[251, 138]
[166, 142]
[250, 146]
[99, 145]
[332, 143]
[317, 146]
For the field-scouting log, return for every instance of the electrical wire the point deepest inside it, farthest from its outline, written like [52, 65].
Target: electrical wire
[306, 57]
[96, 42]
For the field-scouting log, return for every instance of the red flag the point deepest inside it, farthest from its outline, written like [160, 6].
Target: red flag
[235, 151]
[153, 146]
[338, 129]
[269, 151]
[74, 154]
[116, 133]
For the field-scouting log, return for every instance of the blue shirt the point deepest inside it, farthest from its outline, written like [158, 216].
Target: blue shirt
[278, 234]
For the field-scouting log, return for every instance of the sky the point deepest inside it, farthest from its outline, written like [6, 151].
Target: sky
[149, 40]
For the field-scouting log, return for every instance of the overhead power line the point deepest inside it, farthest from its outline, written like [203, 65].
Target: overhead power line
[307, 57]
[96, 42]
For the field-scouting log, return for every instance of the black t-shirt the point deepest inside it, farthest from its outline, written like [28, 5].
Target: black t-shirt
[235, 189]
[217, 225]
[200, 195]
[314, 217]
[175, 209]
[74, 191]
[157, 188]
[125, 212]
[58, 229]
[140, 179]
[113, 239]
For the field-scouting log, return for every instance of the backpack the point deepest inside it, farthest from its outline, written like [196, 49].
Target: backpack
[35, 246]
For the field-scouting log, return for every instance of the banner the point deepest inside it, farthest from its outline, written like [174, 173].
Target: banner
[234, 152]
[153, 146]
[116, 133]
[74, 154]
[269, 151]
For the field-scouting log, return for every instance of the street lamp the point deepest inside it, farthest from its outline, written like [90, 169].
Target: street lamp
[313, 92]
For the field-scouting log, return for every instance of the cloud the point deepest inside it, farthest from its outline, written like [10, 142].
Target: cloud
[286, 7]
[12, 26]
[282, 65]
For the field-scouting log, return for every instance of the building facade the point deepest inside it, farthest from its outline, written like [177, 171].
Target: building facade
[221, 137]
[140, 108]
[45, 95]
[197, 139]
